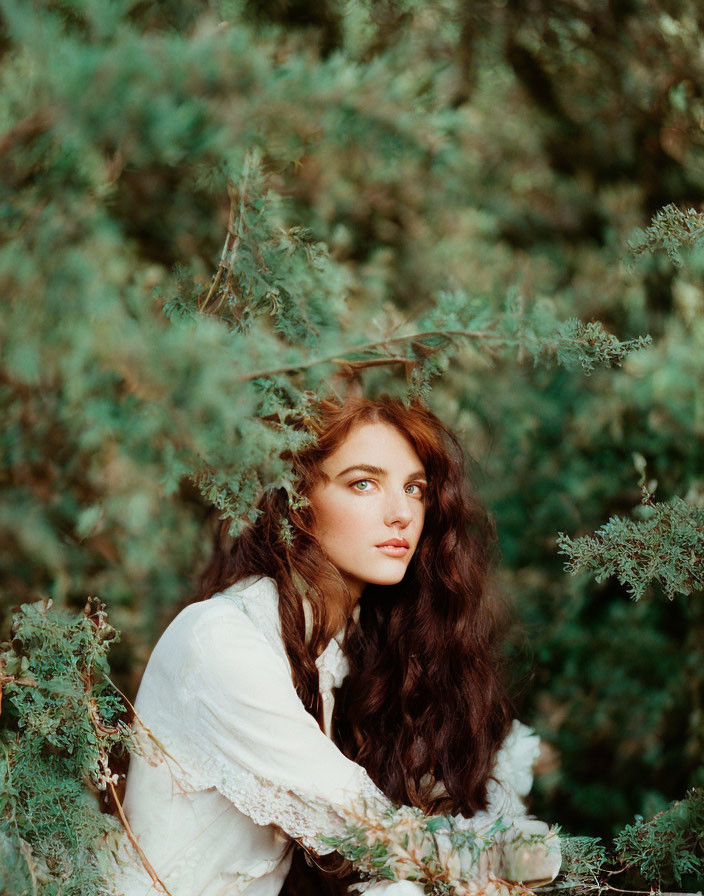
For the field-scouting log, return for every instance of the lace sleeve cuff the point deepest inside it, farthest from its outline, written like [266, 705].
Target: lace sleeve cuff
[512, 776]
[300, 814]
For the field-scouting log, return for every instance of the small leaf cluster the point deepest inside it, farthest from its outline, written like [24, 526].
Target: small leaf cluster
[583, 861]
[534, 331]
[271, 268]
[667, 548]
[669, 845]
[404, 844]
[60, 721]
[673, 230]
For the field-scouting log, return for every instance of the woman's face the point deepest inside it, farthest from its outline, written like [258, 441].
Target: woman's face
[374, 493]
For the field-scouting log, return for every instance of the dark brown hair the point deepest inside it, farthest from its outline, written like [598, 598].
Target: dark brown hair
[423, 702]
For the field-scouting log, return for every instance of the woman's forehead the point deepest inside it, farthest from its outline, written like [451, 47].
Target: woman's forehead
[378, 445]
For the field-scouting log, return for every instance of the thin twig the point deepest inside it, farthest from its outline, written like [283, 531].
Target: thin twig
[145, 728]
[123, 818]
[223, 256]
[232, 240]
[240, 216]
[650, 892]
[375, 346]
[145, 861]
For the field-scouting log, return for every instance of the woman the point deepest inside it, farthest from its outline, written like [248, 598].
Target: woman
[379, 581]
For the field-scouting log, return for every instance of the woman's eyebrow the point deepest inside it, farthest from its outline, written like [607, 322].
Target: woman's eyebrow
[377, 471]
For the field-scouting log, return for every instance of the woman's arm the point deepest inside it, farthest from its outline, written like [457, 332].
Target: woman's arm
[237, 724]
[530, 851]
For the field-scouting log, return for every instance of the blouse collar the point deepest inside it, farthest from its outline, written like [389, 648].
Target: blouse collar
[332, 665]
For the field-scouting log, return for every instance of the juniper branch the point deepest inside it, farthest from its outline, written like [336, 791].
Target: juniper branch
[670, 843]
[585, 341]
[672, 230]
[668, 547]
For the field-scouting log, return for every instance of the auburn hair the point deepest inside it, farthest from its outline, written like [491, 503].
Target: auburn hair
[423, 704]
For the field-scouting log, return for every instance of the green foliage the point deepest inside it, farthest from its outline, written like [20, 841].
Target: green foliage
[60, 720]
[669, 845]
[667, 547]
[672, 230]
[126, 367]
[535, 333]
[263, 259]
[431, 199]
[583, 861]
[399, 844]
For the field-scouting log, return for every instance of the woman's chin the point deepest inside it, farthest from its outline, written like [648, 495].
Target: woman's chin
[387, 576]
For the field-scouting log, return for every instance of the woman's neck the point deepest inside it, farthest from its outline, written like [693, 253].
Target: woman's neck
[337, 620]
[341, 603]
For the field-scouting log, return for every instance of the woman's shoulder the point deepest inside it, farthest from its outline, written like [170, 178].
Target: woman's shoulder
[235, 630]
[255, 596]
[249, 606]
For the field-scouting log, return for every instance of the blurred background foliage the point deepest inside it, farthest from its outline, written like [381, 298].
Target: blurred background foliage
[369, 158]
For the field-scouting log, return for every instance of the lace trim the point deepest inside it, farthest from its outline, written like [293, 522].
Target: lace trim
[303, 816]
[308, 818]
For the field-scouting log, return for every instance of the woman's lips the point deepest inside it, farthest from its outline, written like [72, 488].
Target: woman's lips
[392, 550]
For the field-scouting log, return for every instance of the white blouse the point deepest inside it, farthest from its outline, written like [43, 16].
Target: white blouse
[241, 767]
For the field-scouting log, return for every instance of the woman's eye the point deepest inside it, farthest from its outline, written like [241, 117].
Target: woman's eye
[362, 485]
[365, 483]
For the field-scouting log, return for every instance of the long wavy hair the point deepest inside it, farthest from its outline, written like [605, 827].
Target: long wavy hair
[423, 708]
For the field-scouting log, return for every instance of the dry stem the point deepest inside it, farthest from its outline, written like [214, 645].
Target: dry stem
[145, 861]
[228, 255]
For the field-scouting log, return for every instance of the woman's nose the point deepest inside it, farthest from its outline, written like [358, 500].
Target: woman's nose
[398, 510]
